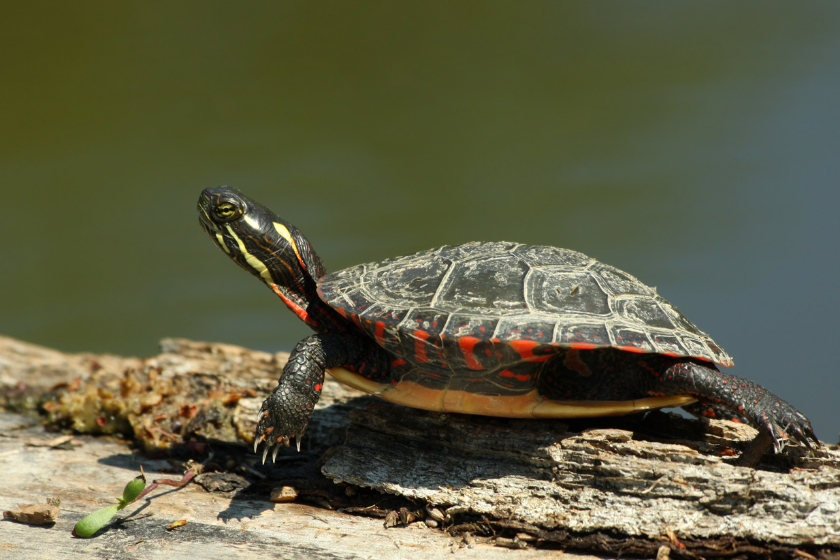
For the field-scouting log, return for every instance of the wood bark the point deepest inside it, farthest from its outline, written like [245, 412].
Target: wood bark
[638, 485]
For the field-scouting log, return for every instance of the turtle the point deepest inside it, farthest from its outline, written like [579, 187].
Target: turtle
[486, 328]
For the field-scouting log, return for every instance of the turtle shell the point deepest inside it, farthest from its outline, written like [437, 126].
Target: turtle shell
[467, 314]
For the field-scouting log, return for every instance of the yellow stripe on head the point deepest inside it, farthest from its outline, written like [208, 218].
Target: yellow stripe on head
[253, 261]
[255, 224]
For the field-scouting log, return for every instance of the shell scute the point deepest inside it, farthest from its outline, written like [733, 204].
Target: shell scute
[668, 343]
[584, 333]
[563, 291]
[618, 282]
[642, 311]
[528, 328]
[470, 325]
[697, 348]
[484, 285]
[407, 283]
[632, 340]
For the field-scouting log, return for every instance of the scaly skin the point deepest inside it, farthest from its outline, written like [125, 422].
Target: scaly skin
[721, 393]
[286, 412]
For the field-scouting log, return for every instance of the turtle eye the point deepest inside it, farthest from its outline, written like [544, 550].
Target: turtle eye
[227, 211]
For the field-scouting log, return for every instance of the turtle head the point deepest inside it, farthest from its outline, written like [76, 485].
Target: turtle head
[264, 244]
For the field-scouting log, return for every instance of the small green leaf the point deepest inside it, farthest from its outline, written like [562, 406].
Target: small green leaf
[88, 526]
[132, 490]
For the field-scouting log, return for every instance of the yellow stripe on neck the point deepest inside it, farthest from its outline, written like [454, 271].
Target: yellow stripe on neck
[222, 243]
[284, 232]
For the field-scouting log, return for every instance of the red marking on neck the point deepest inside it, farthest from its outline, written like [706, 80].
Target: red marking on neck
[299, 311]
[467, 345]
[574, 363]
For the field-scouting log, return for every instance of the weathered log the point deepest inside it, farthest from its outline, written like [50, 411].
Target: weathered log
[622, 485]
[91, 474]
[622, 480]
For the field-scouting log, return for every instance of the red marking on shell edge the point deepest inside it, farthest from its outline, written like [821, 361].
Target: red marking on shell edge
[525, 348]
[635, 349]
[420, 338]
[397, 363]
[467, 344]
[506, 373]
[378, 332]
[584, 346]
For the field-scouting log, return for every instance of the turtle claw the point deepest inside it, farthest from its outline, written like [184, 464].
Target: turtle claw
[273, 448]
[803, 433]
[268, 432]
[258, 440]
[787, 425]
[779, 444]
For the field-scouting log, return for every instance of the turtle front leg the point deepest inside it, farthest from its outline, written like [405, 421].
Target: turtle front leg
[285, 414]
[719, 392]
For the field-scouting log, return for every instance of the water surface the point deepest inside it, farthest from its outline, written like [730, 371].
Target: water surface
[694, 145]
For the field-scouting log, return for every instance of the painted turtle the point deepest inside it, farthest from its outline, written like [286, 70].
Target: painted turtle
[491, 328]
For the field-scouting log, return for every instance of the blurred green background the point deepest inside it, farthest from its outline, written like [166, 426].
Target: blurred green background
[693, 144]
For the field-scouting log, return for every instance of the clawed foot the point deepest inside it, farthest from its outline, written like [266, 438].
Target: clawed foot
[277, 424]
[722, 395]
[784, 423]
[777, 418]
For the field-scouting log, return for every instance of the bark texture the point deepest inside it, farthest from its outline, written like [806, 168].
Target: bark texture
[627, 486]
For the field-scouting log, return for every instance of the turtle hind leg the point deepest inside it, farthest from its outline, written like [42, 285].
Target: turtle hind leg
[741, 398]
[719, 412]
